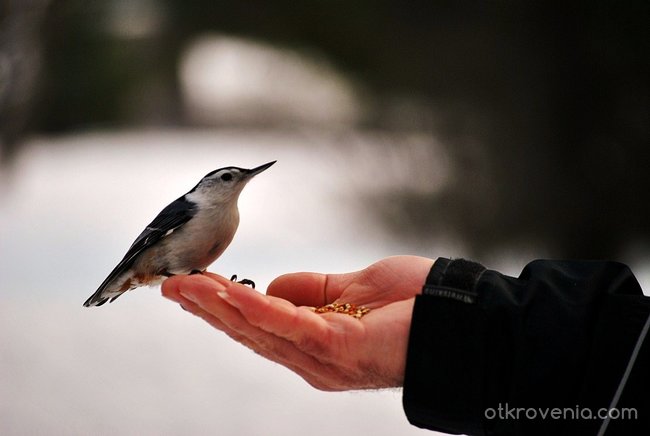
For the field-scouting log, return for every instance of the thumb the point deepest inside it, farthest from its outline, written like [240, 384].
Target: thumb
[309, 288]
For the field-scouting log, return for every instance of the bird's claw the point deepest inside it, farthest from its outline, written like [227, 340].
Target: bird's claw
[243, 281]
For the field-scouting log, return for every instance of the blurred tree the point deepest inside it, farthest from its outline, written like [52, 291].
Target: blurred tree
[20, 60]
[543, 105]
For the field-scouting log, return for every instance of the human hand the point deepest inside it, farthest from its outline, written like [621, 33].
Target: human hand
[330, 351]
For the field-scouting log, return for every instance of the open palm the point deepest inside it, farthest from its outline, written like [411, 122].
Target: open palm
[330, 351]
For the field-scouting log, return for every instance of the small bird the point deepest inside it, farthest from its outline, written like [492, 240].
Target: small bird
[186, 236]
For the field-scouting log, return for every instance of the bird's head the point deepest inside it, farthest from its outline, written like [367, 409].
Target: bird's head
[224, 184]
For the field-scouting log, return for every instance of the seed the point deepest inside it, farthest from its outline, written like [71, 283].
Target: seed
[345, 308]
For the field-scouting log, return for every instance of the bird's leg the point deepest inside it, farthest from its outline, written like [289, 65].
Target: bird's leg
[247, 282]
[196, 271]
[243, 281]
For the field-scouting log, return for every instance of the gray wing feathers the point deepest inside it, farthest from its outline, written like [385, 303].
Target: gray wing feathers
[169, 219]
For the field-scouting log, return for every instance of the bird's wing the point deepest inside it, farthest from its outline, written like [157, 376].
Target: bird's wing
[169, 219]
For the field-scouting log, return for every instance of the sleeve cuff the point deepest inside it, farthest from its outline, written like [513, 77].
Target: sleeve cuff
[444, 368]
[458, 274]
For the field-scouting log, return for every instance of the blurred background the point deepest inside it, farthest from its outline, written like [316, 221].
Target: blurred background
[501, 131]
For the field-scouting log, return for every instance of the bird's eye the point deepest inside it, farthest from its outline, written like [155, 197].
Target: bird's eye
[226, 177]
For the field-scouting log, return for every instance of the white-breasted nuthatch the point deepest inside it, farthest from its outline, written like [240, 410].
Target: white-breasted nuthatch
[186, 236]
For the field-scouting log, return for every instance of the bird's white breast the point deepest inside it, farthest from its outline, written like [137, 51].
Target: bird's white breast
[200, 241]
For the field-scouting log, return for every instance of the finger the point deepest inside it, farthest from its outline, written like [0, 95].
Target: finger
[322, 370]
[274, 353]
[221, 279]
[204, 293]
[310, 289]
[280, 317]
[324, 338]
[313, 334]
[170, 289]
[236, 326]
[302, 289]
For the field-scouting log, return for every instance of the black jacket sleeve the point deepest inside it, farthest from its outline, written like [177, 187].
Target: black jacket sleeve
[548, 352]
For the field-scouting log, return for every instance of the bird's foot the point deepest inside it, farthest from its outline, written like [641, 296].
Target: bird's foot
[243, 281]
[196, 271]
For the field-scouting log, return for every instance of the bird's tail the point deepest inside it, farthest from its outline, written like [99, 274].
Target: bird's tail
[101, 296]
[110, 289]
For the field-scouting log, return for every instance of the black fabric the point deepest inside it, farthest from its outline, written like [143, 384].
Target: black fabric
[559, 336]
[453, 279]
[458, 274]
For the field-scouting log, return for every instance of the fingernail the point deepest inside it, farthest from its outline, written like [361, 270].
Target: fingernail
[188, 295]
[190, 292]
[225, 296]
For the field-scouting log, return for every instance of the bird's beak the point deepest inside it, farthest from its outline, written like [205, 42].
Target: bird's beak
[257, 170]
